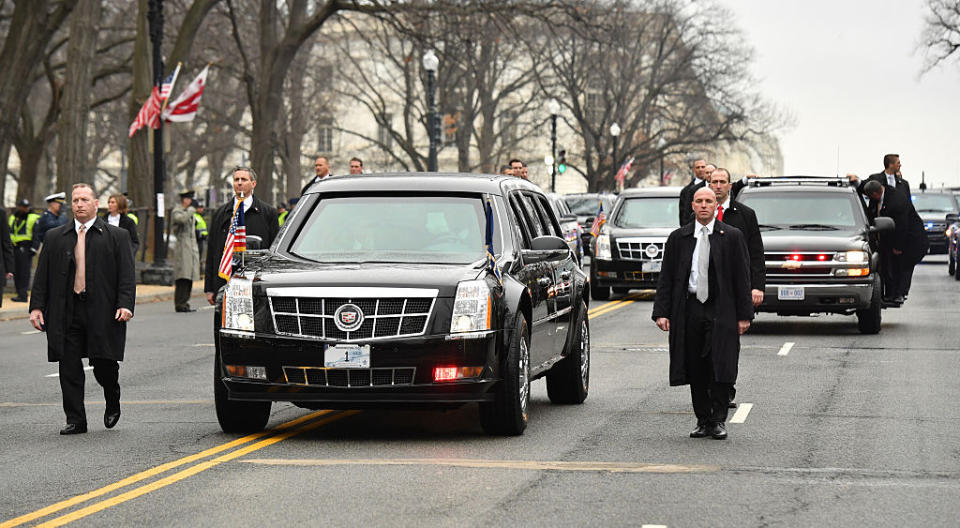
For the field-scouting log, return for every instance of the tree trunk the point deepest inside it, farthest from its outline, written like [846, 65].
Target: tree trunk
[31, 28]
[140, 174]
[75, 111]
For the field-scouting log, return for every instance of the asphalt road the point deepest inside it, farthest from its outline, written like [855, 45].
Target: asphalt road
[836, 429]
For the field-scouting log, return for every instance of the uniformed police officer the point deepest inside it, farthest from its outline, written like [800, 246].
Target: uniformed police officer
[22, 222]
[186, 259]
[51, 218]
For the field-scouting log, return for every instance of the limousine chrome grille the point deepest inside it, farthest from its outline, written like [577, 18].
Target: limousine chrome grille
[350, 315]
[342, 377]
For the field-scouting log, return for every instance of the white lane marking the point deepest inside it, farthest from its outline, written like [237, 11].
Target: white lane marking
[208, 307]
[742, 411]
[30, 332]
[653, 526]
[785, 349]
[203, 344]
[57, 374]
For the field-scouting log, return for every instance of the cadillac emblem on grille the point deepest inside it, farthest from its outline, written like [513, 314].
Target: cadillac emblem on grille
[652, 250]
[348, 317]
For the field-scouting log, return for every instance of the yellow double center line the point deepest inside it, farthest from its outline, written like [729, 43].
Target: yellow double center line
[283, 432]
[614, 305]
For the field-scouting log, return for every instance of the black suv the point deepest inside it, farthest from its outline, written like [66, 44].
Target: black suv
[585, 206]
[423, 290]
[629, 250]
[933, 208]
[820, 248]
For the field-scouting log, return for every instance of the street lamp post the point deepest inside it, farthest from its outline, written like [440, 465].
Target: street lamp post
[430, 63]
[615, 133]
[660, 144]
[554, 108]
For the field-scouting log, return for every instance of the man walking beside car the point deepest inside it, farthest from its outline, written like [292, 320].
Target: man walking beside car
[901, 250]
[686, 194]
[321, 169]
[260, 218]
[83, 295]
[703, 300]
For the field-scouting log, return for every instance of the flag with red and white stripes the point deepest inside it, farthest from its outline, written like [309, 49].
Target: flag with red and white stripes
[167, 85]
[148, 114]
[236, 241]
[622, 173]
[184, 108]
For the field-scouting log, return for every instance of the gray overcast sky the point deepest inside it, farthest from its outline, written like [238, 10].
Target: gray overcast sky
[849, 73]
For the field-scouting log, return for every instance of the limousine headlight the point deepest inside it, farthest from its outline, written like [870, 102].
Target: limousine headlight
[603, 247]
[471, 307]
[238, 305]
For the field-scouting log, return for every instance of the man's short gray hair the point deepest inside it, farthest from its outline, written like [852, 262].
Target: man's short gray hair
[253, 173]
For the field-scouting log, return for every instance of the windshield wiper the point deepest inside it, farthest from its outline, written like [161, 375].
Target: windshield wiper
[769, 227]
[814, 227]
[932, 211]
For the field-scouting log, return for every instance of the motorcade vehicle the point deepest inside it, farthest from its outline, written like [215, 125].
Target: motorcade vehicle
[933, 207]
[572, 231]
[629, 249]
[406, 290]
[586, 206]
[953, 241]
[820, 248]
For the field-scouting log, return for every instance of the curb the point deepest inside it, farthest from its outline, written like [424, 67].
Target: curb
[146, 299]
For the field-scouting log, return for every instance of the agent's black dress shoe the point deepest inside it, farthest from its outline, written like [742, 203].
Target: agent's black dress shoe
[732, 405]
[74, 429]
[19, 299]
[185, 309]
[112, 413]
[702, 431]
[719, 431]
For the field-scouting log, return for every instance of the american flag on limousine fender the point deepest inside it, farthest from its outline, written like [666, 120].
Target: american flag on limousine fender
[598, 221]
[236, 241]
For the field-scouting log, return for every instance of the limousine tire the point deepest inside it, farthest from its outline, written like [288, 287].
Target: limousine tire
[507, 413]
[236, 416]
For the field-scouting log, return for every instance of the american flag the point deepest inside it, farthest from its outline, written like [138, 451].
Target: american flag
[236, 241]
[149, 114]
[167, 85]
[624, 169]
[184, 107]
[598, 221]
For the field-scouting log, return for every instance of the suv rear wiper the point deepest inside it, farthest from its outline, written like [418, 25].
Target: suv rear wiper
[814, 227]
[769, 227]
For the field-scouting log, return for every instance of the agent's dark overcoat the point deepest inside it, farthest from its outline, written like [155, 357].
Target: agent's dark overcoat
[729, 289]
[260, 219]
[111, 284]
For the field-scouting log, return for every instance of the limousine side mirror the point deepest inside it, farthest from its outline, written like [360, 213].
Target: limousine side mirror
[568, 218]
[882, 224]
[953, 218]
[254, 242]
[546, 248]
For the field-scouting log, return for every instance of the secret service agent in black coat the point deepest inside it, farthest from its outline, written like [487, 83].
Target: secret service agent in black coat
[902, 185]
[111, 284]
[909, 237]
[745, 219]
[6, 251]
[260, 219]
[686, 197]
[729, 287]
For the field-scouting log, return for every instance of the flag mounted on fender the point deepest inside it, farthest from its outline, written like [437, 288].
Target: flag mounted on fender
[184, 107]
[598, 221]
[236, 241]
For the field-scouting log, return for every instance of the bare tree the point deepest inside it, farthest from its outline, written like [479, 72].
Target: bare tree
[672, 75]
[30, 29]
[941, 33]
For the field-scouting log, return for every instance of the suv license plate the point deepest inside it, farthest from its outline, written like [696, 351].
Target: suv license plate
[346, 356]
[651, 267]
[790, 293]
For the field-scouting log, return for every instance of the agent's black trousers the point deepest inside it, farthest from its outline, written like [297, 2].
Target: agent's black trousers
[22, 259]
[106, 371]
[710, 398]
[181, 293]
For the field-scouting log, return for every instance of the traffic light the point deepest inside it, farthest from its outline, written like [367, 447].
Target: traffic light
[562, 161]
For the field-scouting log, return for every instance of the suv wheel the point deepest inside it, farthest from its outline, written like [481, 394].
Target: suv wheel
[236, 416]
[869, 319]
[952, 265]
[597, 293]
[956, 271]
[507, 413]
[569, 380]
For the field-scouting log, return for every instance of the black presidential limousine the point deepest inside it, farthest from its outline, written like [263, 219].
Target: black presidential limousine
[380, 292]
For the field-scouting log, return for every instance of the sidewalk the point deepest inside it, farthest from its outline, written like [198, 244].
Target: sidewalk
[146, 293]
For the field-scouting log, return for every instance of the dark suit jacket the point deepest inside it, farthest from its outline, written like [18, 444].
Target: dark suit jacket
[260, 219]
[745, 219]
[6, 250]
[311, 182]
[127, 223]
[111, 284]
[729, 291]
[908, 235]
[902, 185]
